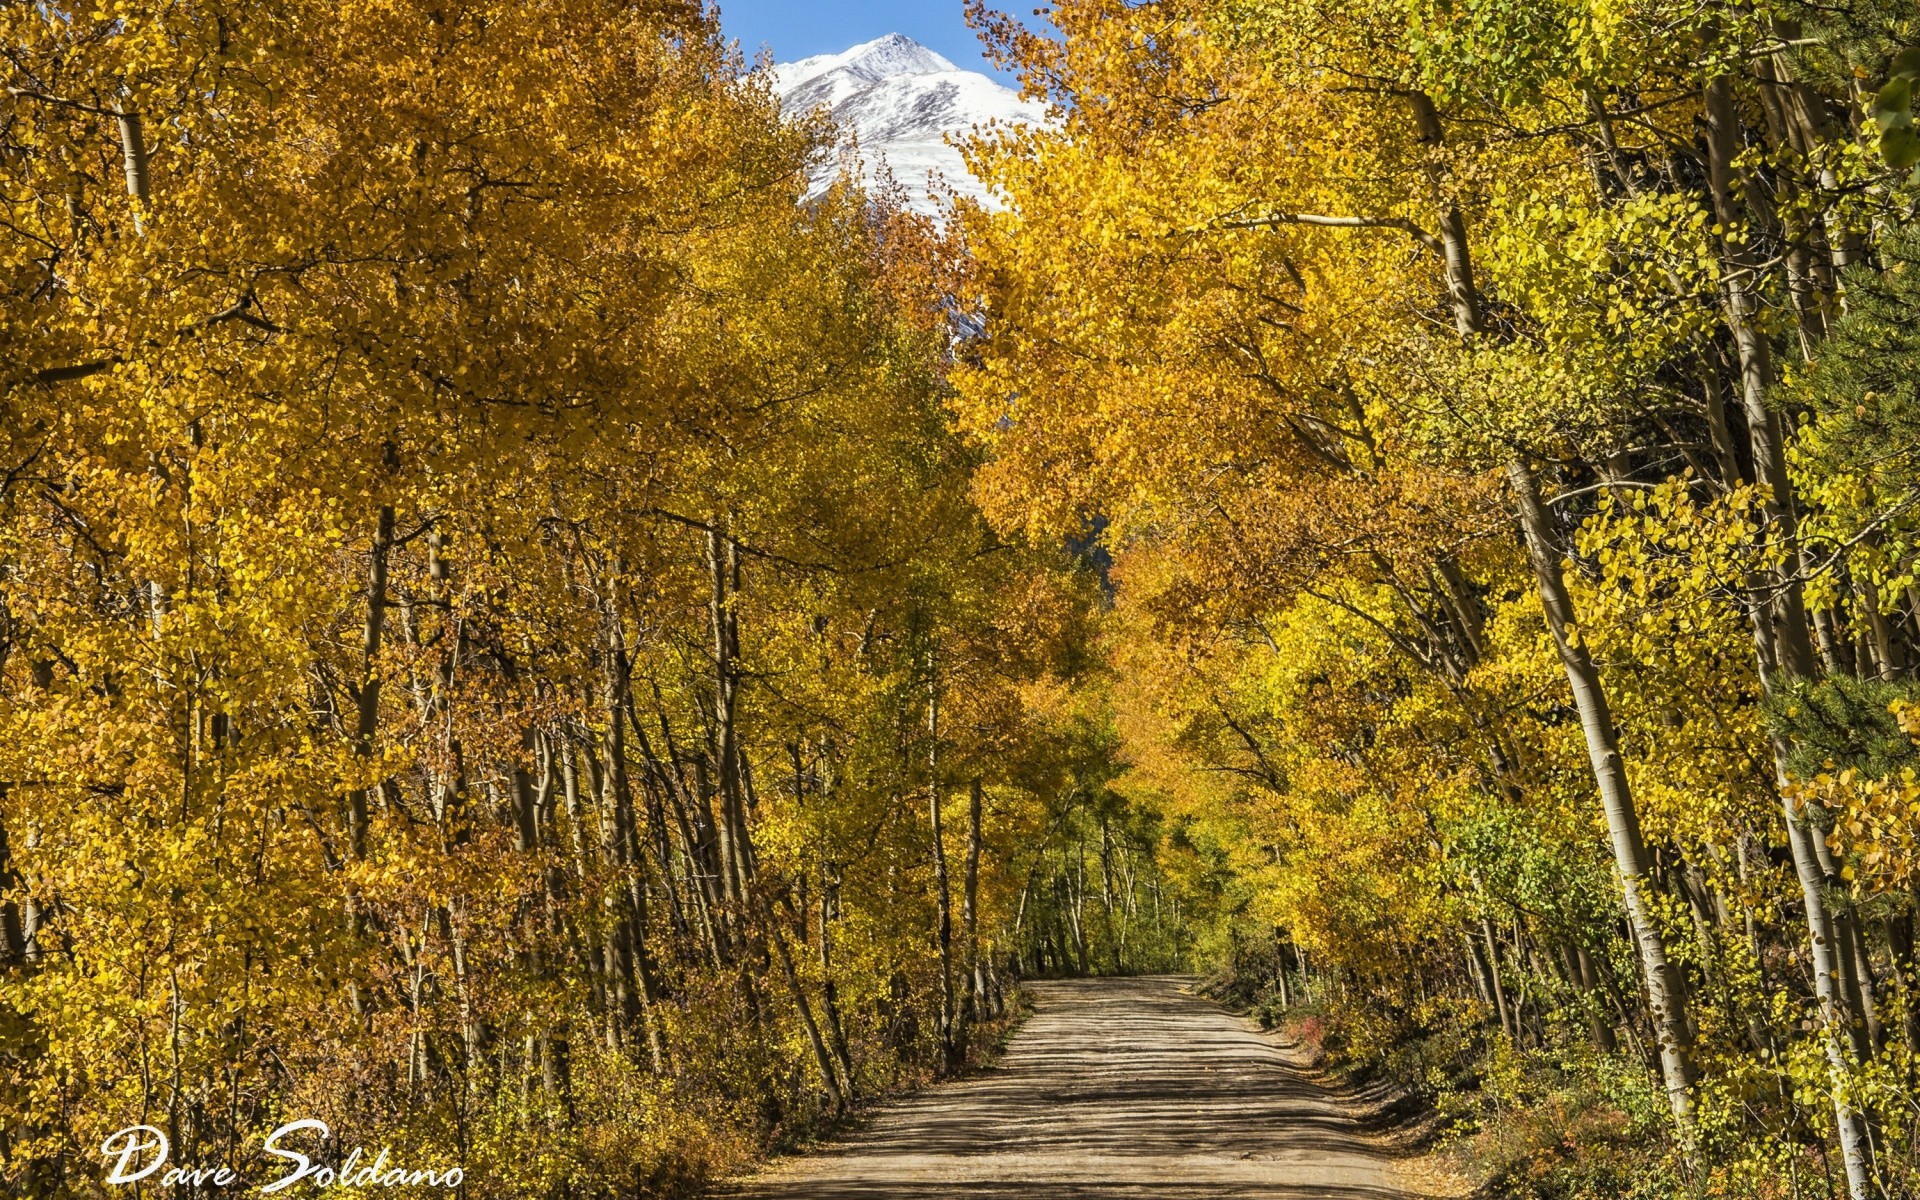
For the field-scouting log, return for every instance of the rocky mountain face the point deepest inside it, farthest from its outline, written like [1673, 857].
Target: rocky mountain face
[901, 102]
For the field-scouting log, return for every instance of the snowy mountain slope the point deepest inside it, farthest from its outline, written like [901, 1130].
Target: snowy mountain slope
[835, 76]
[901, 101]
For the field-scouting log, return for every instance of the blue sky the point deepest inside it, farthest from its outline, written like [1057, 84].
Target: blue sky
[798, 28]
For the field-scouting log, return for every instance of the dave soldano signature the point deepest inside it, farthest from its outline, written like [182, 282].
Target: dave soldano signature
[138, 1151]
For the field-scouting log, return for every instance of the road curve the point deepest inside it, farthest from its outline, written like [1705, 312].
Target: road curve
[1114, 1089]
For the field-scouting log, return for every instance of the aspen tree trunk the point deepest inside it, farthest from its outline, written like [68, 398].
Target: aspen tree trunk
[829, 991]
[975, 1008]
[582, 868]
[822, 1057]
[1854, 1145]
[1788, 627]
[367, 695]
[1476, 969]
[1868, 1018]
[720, 563]
[536, 816]
[615, 958]
[1719, 430]
[658, 783]
[1106, 892]
[133, 161]
[613, 964]
[1626, 1015]
[13, 939]
[1280, 970]
[1509, 1020]
[1526, 949]
[1580, 968]
[20, 952]
[716, 849]
[943, 892]
[700, 864]
[1596, 720]
[449, 798]
[616, 815]
[1077, 897]
[1630, 857]
[472, 1036]
[1021, 944]
[546, 795]
[723, 560]
[730, 824]
[706, 904]
[526, 802]
[829, 904]
[1900, 953]
[1781, 636]
[413, 955]
[640, 941]
[589, 956]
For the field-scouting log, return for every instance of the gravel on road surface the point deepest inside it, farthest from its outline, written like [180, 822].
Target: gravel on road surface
[1114, 1089]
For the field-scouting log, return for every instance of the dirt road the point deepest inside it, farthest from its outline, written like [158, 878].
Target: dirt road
[1115, 1089]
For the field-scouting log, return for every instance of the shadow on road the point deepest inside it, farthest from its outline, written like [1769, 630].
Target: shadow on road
[1115, 1089]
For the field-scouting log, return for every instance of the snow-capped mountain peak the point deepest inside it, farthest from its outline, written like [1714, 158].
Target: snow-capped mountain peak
[894, 54]
[902, 101]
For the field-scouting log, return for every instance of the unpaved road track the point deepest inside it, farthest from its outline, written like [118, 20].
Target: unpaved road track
[1115, 1089]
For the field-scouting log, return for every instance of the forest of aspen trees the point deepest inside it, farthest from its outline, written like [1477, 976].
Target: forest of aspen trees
[530, 637]
[1504, 416]
[497, 651]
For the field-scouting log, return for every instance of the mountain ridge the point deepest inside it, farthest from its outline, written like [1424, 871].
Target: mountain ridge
[901, 102]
